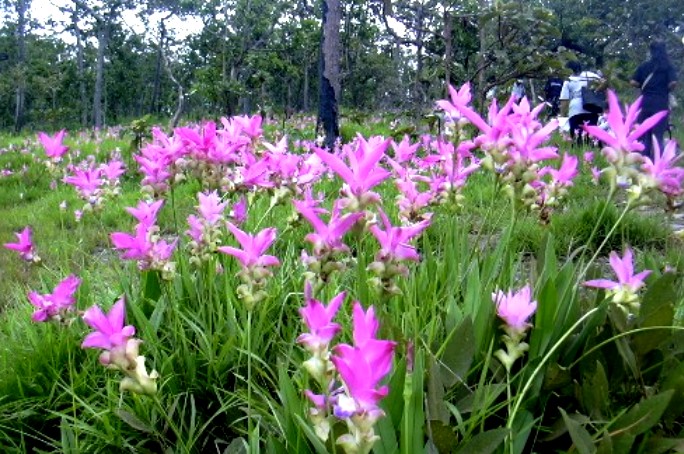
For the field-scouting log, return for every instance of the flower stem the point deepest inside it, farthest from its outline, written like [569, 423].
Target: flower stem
[249, 381]
[544, 360]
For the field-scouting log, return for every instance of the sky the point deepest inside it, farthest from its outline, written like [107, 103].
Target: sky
[44, 10]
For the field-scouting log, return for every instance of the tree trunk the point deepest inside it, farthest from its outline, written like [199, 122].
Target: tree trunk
[305, 89]
[80, 68]
[155, 105]
[448, 27]
[329, 67]
[22, 6]
[102, 35]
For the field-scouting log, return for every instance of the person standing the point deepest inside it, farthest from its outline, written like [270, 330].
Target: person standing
[518, 90]
[571, 101]
[552, 91]
[655, 78]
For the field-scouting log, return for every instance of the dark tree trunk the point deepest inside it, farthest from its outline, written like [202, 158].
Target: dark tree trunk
[102, 35]
[80, 67]
[329, 67]
[20, 98]
[448, 27]
[305, 95]
[155, 104]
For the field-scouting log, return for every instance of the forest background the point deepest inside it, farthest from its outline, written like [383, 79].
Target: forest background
[88, 67]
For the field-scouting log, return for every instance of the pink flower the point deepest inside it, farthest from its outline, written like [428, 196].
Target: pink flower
[52, 304]
[210, 207]
[628, 282]
[253, 247]
[662, 172]
[625, 133]
[145, 212]
[327, 237]
[53, 146]
[239, 211]
[24, 246]
[394, 241]
[318, 319]
[110, 331]
[362, 367]
[515, 308]
[565, 174]
[363, 171]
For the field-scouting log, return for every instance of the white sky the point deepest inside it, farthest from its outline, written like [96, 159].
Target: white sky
[44, 10]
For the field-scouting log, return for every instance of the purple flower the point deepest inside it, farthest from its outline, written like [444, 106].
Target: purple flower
[54, 148]
[624, 134]
[394, 241]
[24, 246]
[253, 247]
[515, 308]
[318, 319]
[362, 366]
[110, 331]
[52, 304]
[628, 283]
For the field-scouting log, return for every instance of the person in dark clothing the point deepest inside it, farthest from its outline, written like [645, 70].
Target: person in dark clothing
[656, 78]
[552, 91]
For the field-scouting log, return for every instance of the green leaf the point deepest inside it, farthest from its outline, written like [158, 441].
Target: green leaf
[458, 353]
[595, 392]
[435, 394]
[68, 437]
[580, 437]
[443, 436]
[484, 442]
[134, 421]
[674, 381]
[657, 309]
[640, 418]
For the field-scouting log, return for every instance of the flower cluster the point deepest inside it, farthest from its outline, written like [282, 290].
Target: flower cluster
[349, 377]
[624, 292]
[515, 309]
[24, 246]
[120, 348]
[145, 245]
[95, 183]
[205, 229]
[394, 251]
[329, 253]
[255, 264]
[54, 306]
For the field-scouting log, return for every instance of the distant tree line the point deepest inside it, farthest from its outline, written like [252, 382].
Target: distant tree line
[270, 56]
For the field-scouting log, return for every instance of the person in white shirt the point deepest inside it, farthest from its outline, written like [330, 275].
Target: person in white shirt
[571, 100]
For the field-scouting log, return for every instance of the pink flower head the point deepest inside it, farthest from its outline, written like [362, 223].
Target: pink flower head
[363, 171]
[363, 366]
[50, 305]
[394, 241]
[565, 174]
[253, 247]
[515, 308]
[625, 133]
[24, 246]
[146, 213]
[210, 207]
[110, 331]
[663, 172]
[327, 237]
[135, 247]
[54, 149]
[458, 99]
[628, 283]
[318, 319]
[239, 211]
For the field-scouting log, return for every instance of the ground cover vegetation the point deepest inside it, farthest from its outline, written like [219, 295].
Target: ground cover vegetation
[223, 286]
